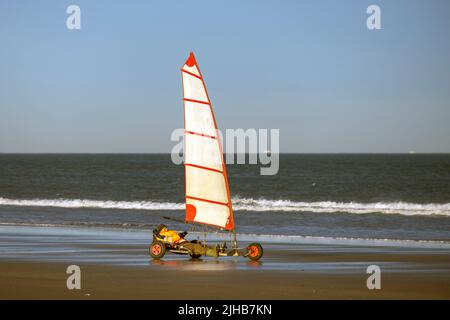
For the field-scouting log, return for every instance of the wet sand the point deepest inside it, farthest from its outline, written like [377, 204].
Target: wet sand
[116, 265]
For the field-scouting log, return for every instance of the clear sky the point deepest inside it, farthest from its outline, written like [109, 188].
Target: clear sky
[310, 68]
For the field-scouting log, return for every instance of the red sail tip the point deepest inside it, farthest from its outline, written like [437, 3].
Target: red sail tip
[191, 60]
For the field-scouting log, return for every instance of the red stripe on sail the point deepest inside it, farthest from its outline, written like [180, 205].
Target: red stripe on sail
[206, 223]
[192, 74]
[196, 101]
[202, 167]
[201, 134]
[207, 200]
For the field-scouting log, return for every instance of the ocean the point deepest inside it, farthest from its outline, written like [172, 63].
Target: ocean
[322, 196]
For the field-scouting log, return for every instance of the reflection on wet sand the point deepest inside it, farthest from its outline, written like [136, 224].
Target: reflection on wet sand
[204, 264]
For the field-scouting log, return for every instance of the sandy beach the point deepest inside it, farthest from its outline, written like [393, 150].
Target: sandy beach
[115, 265]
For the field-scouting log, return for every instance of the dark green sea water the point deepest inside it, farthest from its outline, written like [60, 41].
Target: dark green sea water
[336, 195]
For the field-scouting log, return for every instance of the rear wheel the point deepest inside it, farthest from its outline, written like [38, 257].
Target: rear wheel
[254, 251]
[157, 250]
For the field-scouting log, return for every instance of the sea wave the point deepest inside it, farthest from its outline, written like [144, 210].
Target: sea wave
[85, 203]
[248, 204]
[403, 208]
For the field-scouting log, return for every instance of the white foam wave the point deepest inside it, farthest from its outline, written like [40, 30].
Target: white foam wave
[248, 204]
[403, 208]
[100, 204]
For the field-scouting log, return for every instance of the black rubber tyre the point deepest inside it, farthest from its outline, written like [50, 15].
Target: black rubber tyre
[157, 250]
[254, 251]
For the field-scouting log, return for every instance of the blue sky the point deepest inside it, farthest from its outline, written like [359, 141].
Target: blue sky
[309, 68]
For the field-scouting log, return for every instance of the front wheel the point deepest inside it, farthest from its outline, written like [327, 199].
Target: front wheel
[254, 251]
[157, 250]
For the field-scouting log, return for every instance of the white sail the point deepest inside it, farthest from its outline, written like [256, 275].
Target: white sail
[207, 192]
